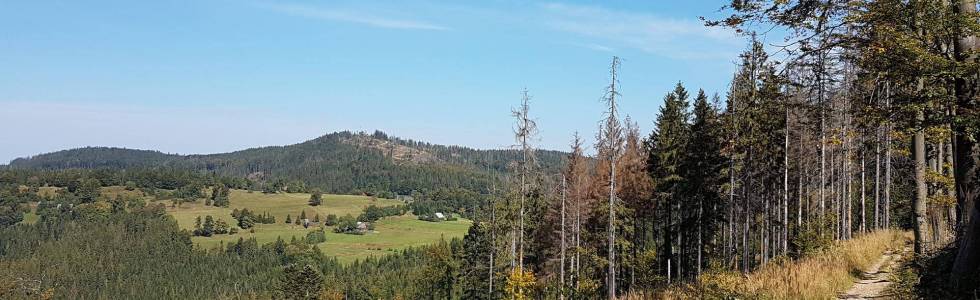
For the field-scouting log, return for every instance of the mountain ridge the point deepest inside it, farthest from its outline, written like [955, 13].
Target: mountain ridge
[340, 162]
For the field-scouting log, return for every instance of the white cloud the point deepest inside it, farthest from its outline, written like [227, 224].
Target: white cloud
[597, 47]
[675, 38]
[351, 17]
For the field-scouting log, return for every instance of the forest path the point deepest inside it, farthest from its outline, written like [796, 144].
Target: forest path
[874, 282]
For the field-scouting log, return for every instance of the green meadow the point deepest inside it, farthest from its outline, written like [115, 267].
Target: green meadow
[390, 234]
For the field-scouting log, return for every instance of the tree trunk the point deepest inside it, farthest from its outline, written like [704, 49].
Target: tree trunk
[967, 163]
[846, 197]
[613, 139]
[700, 242]
[786, 185]
[731, 212]
[799, 188]
[578, 236]
[823, 165]
[493, 237]
[921, 191]
[888, 161]
[864, 212]
[745, 229]
[562, 260]
[877, 177]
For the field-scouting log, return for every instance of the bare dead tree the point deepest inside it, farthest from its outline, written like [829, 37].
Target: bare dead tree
[612, 133]
[564, 189]
[524, 133]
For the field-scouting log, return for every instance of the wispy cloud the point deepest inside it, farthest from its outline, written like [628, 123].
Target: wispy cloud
[597, 47]
[341, 15]
[671, 37]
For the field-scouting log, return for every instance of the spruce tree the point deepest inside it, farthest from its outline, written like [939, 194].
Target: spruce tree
[667, 145]
[702, 170]
[316, 198]
[300, 282]
[208, 228]
[477, 247]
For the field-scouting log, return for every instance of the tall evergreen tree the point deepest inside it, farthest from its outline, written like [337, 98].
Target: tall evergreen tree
[300, 282]
[702, 169]
[477, 247]
[667, 145]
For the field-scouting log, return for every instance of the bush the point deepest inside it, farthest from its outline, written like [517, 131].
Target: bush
[221, 227]
[316, 198]
[429, 218]
[316, 237]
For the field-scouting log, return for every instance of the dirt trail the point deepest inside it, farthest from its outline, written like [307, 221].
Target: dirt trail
[874, 282]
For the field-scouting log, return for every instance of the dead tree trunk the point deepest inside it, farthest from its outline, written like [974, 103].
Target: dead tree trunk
[785, 205]
[888, 161]
[612, 136]
[562, 260]
[864, 211]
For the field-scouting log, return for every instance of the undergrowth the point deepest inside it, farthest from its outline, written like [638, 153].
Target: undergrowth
[822, 274]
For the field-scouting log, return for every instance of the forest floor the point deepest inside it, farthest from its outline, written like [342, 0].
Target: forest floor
[874, 282]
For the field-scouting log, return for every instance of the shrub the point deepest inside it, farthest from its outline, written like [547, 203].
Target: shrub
[316, 198]
[316, 237]
[331, 220]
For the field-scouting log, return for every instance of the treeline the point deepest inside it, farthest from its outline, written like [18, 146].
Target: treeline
[148, 179]
[460, 201]
[339, 163]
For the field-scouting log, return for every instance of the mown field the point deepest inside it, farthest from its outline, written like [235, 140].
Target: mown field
[390, 234]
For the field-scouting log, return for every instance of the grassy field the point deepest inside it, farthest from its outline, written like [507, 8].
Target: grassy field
[390, 234]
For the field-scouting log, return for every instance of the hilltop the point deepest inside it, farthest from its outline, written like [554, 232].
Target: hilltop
[340, 162]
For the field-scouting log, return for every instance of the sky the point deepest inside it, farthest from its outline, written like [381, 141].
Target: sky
[212, 76]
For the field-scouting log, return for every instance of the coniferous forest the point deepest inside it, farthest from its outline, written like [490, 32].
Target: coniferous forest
[855, 139]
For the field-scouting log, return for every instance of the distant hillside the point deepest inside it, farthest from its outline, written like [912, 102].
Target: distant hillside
[340, 162]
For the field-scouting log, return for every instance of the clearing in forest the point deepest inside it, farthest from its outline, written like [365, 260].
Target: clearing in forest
[390, 234]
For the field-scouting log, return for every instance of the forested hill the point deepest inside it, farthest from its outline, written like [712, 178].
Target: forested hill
[341, 162]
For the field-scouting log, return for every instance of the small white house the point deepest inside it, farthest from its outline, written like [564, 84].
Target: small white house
[440, 216]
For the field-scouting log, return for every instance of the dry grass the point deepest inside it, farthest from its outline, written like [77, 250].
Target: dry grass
[825, 274]
[822, 275]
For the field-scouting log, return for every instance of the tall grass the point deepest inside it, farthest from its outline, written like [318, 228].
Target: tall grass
[821, 275]
[825, 274]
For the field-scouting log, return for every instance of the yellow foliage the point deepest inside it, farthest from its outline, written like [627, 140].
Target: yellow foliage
[519, 284]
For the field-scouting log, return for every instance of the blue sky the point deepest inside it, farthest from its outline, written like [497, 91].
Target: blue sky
[213, 76]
